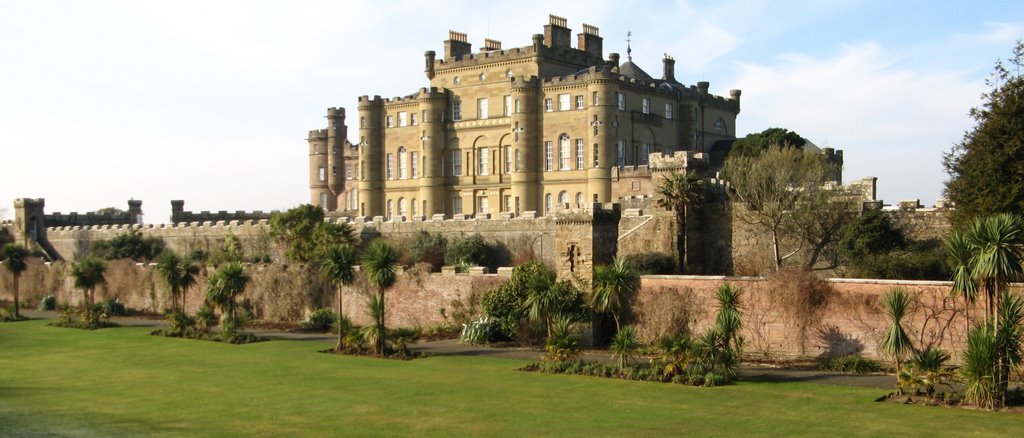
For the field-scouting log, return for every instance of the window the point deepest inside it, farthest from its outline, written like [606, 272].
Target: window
[593, 98]
[403, 118]
[646, 105]
[507, 108]
[720, 124]
[334, 150]
[348, 171]
[391, 121]
[508, 159]
[622, 101]
[481, 203]
[362, 122]
[579, 200]
[456, 205]
[563, 152]
[519, 160]
[456, 80]
[483, 161]
[549, 156]
[316, 149]
[334, 170]
[391, 166]
[482, 77]
[413, 203]
[391, 208]
[403, 206]
[596, 164]
[457, 162]
[414, 161]
[579, 102]
[323, 174]
[323, 201]
[549, 204]
[456, 110]
[668, 110]
[548, 106]
[506, 204]
[508, 73]
[403, 164]
[481, 108]
[622, 153]
[563, 102]
[645, 150]
[519, 108]
[563, 197]
[412, 119]
[580, 153]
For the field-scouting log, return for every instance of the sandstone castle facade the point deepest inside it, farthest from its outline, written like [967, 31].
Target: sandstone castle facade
[528, 129]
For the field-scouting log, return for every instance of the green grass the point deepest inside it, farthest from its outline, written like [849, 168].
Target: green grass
[121, 381]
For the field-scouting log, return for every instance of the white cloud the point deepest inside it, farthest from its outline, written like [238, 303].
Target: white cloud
[893, 122]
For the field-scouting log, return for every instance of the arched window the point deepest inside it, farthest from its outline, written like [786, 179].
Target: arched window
[563, 197]
[403, 207]
[403, 163]
[549, 203]
[391, 208]
[579, 199]
[414, 160]
[720, 124]
[563, 152]
[413, 207]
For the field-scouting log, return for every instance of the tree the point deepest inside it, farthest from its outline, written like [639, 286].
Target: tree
[178, 274]
[15, 262]
[624, 346]
[959, 253]
[224, 288]
[678, 192]
[782, 194]
[306, 234]
[88, 273]
[380, 261]
[614, 285]
[338, 268]
[986, 168]
[754, 144]
[896, 343]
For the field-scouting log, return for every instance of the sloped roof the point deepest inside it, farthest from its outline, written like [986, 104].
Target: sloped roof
[629, 69]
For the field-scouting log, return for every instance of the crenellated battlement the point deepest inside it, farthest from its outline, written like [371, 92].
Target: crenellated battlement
[317, 134]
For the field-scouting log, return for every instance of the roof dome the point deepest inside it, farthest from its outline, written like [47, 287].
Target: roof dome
[629, 69]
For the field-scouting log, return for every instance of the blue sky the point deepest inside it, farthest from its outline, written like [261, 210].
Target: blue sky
[210, 101]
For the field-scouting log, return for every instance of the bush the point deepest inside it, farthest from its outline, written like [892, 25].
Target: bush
[321, 320]
[131, 245]
[114, 307]
[852, 363]
[469, 251]
[205, 318]
[180, 323]
[428, 248]
[48, 302]
[651, 263]
[479, 331]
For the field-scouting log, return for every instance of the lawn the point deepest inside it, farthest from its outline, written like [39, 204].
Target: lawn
[120, 381]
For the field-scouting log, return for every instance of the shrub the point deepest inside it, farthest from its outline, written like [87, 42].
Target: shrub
[653, 263]
[205, 318]
[471, 251]
[131, 245]
[48, 302]
[563, 344]
[321, 320]
[114, 307]
[478, 331]
[428, 248]
[179, 323]
[624, 346]
[850, 363]
[401, 338]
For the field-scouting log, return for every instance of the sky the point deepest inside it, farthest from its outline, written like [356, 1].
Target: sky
[211, 101]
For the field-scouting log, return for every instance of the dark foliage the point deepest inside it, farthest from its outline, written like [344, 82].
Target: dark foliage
[131, 245]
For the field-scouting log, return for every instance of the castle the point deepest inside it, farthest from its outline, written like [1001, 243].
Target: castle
[528, 129]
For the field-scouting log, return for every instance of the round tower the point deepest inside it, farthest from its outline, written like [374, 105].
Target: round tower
[371, 156]
[319, 169]
[526, 145]
[337, 133]
[601, 139]
[433, 104]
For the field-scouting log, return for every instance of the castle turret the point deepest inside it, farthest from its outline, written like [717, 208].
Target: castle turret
[433, 104]
[734, 95]
[601, 141]
[30, 220]
[371, 156]
[430, 57]
[526, 145]
[337, 133]
[319, 168]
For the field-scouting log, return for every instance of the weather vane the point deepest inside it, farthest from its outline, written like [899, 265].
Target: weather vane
[629, 47]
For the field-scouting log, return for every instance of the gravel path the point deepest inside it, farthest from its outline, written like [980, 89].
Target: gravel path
[451, 347]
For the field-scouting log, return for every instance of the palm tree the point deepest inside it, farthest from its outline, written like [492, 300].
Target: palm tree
[729, 322]
[338, 268]
[88, 273]
[381, 264]
[543, 299]
[625, 346]
[678, 192]
[959, 252]
[179, 275]
[896, 342]
[225, 286]
[14, 260]
[614, 286]
[997, 242]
